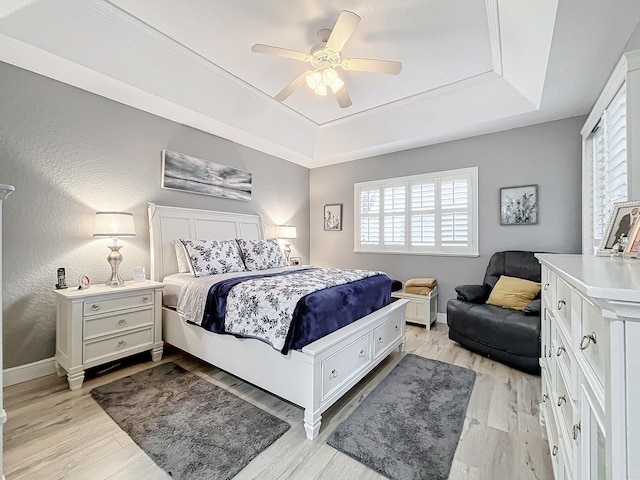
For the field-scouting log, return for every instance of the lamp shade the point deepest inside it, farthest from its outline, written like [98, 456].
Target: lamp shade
[286, 231]
[114, 225]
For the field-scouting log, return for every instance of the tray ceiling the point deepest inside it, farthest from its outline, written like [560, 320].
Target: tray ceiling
[469, 66]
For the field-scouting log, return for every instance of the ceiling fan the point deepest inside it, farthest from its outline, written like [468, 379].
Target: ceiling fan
[325, 58]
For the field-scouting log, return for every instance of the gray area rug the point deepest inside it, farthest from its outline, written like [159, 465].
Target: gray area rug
[192, 429]
[408, 427]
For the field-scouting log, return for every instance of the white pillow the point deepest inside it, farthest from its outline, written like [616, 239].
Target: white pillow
[210, 257]
[261, 254]
[181, 255]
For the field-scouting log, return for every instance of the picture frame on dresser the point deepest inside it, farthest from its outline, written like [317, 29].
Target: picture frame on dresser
[620, 222]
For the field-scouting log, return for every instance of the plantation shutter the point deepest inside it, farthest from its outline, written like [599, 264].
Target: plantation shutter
[609, 151]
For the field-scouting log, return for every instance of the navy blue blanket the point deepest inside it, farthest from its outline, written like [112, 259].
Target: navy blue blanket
[317, 314]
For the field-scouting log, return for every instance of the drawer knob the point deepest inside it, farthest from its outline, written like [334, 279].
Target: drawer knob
[561, 399]
[334, 373]
[561, 303]
[575, 431]
[380, 340]
[121, 344]
[145, 299]
[397, 327]
[587, 339]
[362, 353]
[122, 322]
[560, 350]
[554, 452]
[95, 307]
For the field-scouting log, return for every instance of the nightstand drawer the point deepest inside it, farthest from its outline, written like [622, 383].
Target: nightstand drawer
[96, 326]
[104, 305]
[117, 346]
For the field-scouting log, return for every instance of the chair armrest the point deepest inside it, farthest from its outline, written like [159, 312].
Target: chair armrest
[533, 308]
[473, 293]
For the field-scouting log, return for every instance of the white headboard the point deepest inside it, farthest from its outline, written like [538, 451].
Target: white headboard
[167, 224]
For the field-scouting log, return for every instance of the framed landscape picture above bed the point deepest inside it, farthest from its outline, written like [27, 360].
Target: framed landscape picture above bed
[195, 175]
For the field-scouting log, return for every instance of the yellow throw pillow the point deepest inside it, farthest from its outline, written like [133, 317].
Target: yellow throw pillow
[512, 292]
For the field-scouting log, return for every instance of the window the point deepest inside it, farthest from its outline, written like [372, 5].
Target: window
[433, 213]
[606, 157]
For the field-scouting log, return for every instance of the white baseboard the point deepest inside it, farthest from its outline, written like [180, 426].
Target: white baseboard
[30, 371]
[441, 318]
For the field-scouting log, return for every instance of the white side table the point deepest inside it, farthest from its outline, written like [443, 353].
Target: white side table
[421, 309]
[102, 324]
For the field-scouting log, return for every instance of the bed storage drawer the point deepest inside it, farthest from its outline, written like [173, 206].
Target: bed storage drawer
[344, 364]
[117, 346]
[386, 334]
[103, 305]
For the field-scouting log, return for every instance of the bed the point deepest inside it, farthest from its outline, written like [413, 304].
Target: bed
[314, 377]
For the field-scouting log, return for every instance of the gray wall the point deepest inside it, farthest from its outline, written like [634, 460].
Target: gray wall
[548, 154]
[69, 154]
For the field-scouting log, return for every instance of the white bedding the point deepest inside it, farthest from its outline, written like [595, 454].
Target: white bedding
[188, 294]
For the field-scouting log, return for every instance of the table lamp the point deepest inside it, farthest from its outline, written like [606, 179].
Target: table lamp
[286, 232]
[114, 225]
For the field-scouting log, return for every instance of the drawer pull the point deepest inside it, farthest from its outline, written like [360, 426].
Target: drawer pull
[95, 307]
[561, 303]
[545, 397]
[145, 299]
[587, 339]
[575, 430]
[362, 353]
[546, 286]
[554, 452]
[121, 344]
[122, 322]
[334, 373]
[560, 350]
[561, 399]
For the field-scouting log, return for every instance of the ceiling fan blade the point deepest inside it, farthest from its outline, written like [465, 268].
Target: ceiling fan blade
[342, 96]
[293, 86]
[344, 27]
[281, 52]
[370, 65]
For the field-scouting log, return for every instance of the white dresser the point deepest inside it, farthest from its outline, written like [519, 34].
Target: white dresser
[590, 405]
[103, 323]
[4, 191]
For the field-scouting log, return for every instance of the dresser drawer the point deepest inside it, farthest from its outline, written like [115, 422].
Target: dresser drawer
[117, 346]
[594, 339]
[386, 334]
[548, 282]
[340, 367]
[99, 305]
[564, 402]
[96, 326]
[562, 307]
[561, 353]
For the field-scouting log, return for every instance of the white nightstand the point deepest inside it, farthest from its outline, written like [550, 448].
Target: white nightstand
[102, 323]
[421, 309]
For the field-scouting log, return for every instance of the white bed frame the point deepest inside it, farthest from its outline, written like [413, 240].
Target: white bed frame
[313, 378]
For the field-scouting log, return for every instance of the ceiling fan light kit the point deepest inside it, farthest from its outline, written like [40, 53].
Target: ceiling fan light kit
[325, 57]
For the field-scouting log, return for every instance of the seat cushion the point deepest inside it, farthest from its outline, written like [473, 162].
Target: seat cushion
[500, 328]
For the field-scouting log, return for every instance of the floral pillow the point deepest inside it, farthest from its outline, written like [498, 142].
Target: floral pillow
[210, 257]
[261, 254]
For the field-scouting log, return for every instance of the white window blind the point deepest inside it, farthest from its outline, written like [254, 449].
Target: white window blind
[608, 143]
[433, 213]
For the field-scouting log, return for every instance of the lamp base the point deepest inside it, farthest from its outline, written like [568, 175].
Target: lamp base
[287, 253]
[114, 259]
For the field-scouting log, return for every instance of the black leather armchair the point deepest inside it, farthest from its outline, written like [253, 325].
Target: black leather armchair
[509, 336]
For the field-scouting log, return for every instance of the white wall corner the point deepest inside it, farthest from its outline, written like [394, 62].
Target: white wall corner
[29, 371]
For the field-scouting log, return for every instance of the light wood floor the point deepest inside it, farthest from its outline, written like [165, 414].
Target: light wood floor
[53, 433]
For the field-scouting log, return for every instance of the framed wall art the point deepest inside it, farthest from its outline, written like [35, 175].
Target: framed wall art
[190, 174]
[622, 222]
[519, 205]
[333, 217]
